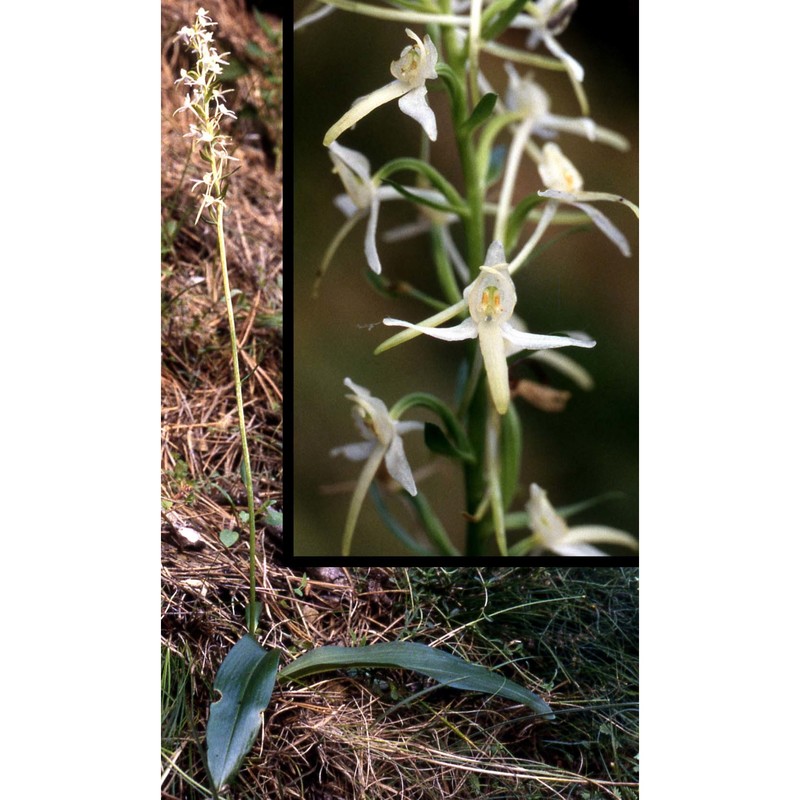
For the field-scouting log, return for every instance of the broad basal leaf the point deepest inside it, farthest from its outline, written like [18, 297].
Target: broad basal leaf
[245, 681]
[446, 668]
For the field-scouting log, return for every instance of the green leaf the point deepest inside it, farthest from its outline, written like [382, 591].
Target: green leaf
[437, 442]
[274, 517]
[441, 666]
[480, 114]
[228, 537]
[245, 680]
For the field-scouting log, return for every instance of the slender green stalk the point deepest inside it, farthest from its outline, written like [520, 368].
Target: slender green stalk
[252, 620]
[476, 410]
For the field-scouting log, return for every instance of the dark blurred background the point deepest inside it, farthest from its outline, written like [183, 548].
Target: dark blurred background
[582, 282]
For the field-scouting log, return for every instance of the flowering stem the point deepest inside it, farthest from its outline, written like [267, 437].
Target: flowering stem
[252, 617]
[493, 479]
[474, 485]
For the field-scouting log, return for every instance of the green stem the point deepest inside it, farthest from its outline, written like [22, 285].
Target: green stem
[252, 619]
[474, 474]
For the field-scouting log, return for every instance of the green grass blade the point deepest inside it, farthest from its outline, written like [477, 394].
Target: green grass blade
[245, 680]
[446, 668]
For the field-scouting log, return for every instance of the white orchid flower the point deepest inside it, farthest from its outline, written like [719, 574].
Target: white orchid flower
[417, 64]
[548, 19]
[382, 445]
[565, 184]
[491, 299]
[364, 194]
[551, 533]
[527, 96]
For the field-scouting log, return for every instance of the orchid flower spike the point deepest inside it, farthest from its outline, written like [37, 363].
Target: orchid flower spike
[417, 64]
[382, 445]
[551, 533]
[491, 299]
[565, 184]
[206, 104]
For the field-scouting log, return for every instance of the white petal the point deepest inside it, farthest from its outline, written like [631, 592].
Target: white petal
[359, 390]
[351, 160]
[359, 451]
[602, 533]
[567, 549]
[370, 248]
[495, 255]
[381, 425]
[558, 51]
[536, 341]
[464, 330]
[407, 231]
[606, 226]
[362, 107]
[416, 106]
[407, 427]
[490, 336]
[398, 466]
[459, 264]
[346, 205]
